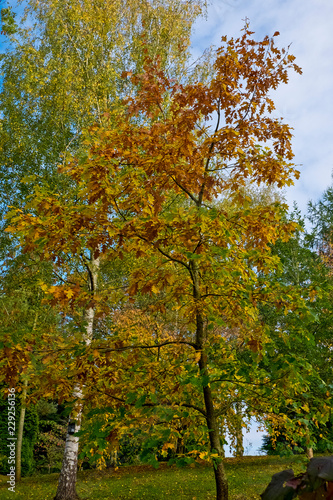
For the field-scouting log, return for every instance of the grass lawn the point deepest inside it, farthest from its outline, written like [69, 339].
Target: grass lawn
[248, 477]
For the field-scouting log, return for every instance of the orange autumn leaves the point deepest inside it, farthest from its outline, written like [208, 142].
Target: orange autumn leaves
[164, 182]
[161, 142]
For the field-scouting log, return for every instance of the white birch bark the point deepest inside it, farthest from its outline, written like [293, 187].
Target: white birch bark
[67, 479]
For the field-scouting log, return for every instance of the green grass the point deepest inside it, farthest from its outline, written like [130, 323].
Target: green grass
[248, 477]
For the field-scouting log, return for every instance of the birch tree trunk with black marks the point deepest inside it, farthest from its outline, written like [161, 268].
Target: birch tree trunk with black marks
[67, 480]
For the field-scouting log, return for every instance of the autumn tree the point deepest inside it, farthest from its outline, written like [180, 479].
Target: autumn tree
[210, 262]
[177, 155]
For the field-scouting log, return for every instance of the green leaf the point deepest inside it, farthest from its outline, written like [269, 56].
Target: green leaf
[141, 401]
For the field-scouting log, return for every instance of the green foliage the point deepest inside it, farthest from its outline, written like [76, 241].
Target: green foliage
[8, 24]
[281, 446]
[129, 450]
[31, 426]
[304, 337]
[49, 447]
[321, 217]
[30, 433]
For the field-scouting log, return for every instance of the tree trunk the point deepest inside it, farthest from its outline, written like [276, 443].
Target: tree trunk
[68, 474]
[18, 457]
[239, 431]
[212, 425]
[20, 431]
[67, 479]
[221, 481]
[309, 452]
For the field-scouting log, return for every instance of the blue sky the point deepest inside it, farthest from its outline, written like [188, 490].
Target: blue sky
[306, 103]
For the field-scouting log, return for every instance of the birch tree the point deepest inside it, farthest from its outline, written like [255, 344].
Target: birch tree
[65, 71]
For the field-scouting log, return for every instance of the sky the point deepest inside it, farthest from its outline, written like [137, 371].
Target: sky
[306, 103]
[252, 441]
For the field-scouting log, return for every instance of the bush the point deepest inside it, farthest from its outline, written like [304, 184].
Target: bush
[315, 483]
[30, 433]
[49, 448]
[324, 444]
[129, 450]
[281, 447]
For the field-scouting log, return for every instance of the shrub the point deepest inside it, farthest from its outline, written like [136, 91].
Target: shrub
[315, 483]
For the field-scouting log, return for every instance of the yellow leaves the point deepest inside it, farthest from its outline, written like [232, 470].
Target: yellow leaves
[47, 359]
[203, 456]
[197, 357]
[312, 295]
[62, 294]
[44, 287]
[69, 293]
[168, 446]
[55, 290]
[150, 199]
[48, 394]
